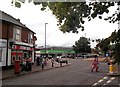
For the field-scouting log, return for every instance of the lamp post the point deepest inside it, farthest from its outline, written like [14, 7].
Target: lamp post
[45, 39]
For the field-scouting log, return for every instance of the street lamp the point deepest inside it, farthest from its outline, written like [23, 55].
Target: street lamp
[45, 39]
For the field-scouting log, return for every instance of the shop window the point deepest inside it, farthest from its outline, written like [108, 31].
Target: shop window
[17, 34]
[25, 55]
[13, 59]
[17, 58]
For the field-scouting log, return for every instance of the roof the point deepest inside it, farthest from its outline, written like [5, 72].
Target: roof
[6, 17]
[56, 51]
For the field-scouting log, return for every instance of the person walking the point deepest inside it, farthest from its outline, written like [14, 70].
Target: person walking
[23, 65]
[95, 64]
[38, 61]
[29, 64]
[52, 61]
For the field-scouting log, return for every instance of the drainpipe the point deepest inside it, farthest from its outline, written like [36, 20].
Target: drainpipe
[7, 45]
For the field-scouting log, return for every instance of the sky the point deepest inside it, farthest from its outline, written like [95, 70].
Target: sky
[35, 19]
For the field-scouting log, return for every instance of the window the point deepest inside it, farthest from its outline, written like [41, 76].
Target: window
[17, 33]
[30, 38]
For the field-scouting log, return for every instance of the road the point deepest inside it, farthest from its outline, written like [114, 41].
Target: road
[78, 73]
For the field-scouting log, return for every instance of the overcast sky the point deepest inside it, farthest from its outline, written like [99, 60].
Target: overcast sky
[33, 18]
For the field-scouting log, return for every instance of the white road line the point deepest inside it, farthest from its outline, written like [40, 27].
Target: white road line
[95, 84]
[109, 81]
[105, 77]
[104, 84]
[101, 80]
[112, 78]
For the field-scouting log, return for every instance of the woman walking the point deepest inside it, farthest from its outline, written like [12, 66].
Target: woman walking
[95, 64]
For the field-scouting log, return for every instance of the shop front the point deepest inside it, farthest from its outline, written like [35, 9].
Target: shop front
[19, 52]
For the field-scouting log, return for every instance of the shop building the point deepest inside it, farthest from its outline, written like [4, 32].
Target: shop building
[16, 40]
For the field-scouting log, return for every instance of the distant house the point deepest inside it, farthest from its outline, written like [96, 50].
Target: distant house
[16, 40]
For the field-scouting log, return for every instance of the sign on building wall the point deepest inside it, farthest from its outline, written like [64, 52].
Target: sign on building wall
[22, 47]
[3, 44]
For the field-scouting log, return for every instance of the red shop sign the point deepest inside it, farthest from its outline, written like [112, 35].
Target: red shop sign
[22, 47]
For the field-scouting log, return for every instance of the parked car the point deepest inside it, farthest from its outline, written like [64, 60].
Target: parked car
[61, 59]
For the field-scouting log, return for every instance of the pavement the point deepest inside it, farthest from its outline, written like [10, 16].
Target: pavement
[10, 72]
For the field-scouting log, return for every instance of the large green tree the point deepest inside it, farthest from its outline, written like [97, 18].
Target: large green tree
[82, 45]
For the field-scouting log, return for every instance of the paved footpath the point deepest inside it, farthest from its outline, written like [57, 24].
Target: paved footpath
[10, 72]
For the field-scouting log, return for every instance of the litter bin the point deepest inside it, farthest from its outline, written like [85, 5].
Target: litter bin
[17, 67]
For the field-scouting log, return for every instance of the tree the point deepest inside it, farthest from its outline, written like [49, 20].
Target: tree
[71, 15]
[104, 45]
[82, 45]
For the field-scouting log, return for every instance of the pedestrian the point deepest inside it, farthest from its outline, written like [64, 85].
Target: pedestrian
[95, 64]
[38, 61]
[23, 65]
[52, 61]
[41, 60]
[45, 61]
[29, 64]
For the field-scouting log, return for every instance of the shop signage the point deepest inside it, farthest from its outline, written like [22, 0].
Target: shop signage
[22, 47]
[3, 44]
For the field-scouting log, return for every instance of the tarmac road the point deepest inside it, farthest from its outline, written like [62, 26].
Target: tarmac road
[78, 73]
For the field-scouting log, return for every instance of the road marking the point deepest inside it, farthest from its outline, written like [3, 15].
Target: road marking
[103, 79]
[100, 80]
[95, 84]
[110, 80]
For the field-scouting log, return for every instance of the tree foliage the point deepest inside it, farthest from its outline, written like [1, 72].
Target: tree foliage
[71, 15]
[82, 45]
[106, 45]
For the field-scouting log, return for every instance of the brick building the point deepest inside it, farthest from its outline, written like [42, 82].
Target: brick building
[16, 40]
